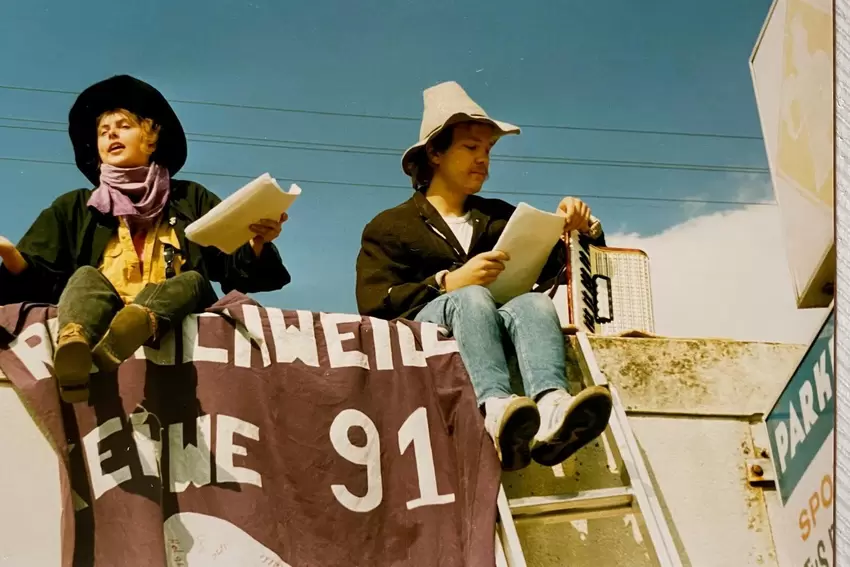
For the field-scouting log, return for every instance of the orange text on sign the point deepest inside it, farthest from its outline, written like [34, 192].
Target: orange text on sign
[819, 501]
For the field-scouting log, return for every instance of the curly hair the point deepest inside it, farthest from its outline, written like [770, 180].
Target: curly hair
[150, 129]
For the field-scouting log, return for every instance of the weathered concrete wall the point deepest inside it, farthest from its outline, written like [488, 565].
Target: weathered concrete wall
[696, 376]
[691, 404]
[29, 488]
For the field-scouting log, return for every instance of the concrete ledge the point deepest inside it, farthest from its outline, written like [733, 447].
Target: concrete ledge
[705, 377]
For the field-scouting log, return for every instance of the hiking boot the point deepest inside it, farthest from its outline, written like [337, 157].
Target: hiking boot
[131, 327]
[512, 423]
[72, 364]
[569, 423]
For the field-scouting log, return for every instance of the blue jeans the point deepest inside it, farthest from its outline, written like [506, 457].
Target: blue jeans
[529, 321]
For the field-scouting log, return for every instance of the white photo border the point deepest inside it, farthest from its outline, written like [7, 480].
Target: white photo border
[842, 227]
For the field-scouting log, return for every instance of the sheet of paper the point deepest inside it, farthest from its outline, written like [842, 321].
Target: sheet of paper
[528, 238]
[226, 225]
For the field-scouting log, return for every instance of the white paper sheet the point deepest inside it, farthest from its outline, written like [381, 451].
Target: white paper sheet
[226, 225]
[528, 238]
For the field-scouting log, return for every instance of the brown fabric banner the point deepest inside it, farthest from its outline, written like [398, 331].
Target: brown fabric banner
[261, 437]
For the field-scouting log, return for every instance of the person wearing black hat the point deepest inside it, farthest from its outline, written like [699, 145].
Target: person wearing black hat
[115, 258]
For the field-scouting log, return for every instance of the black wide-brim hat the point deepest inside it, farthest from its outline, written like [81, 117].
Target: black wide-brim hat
[138, 97]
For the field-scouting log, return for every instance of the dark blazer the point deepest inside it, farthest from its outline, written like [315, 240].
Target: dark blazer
[69, 234]
[403, 249]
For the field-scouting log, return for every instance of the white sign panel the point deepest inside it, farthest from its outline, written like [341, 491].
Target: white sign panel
[793, 75]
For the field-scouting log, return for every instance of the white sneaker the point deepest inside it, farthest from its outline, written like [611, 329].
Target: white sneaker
[512, 422]
[569, 423]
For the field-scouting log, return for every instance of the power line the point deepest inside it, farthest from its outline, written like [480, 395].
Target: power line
[409, 188]
[396, 152]
[414, 119]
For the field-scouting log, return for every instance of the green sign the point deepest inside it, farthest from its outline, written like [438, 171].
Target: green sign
[804, 416]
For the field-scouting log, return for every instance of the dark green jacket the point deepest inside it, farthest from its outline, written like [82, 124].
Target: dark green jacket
[69, 234]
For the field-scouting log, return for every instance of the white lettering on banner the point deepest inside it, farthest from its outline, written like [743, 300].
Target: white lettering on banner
[293, 343]
[410, 356]
[189, 463]
[102, 481]
[253, 330]
[432, 345]
[35, 358]
[414, 430]
[338, 357]
[383, 344]
[150, 450]
[193, 464]
[368, 455]
[225, 448]
[192, 349]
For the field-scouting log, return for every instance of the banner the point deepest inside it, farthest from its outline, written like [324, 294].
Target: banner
[260, 437]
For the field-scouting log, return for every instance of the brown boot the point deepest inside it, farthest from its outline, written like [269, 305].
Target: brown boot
[130, 329]
[72, 364]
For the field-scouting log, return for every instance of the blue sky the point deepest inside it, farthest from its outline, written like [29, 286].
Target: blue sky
[650, 65]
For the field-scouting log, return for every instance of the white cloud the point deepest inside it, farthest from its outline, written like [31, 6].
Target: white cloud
[724, 275]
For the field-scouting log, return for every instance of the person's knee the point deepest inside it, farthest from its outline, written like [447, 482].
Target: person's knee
[84, 275]
[86, 272]
[199, 288]
[538, 302]
[194, 277]
[475, 297]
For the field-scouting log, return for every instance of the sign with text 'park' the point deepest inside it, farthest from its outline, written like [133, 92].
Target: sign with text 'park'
[801, 427]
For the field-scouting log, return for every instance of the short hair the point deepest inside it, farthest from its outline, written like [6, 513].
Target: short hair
[150, 129]
[421, 169]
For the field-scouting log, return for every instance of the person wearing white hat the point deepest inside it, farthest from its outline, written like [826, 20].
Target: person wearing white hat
[430, 258]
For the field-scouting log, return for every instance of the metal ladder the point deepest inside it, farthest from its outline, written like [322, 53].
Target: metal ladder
[639, 498]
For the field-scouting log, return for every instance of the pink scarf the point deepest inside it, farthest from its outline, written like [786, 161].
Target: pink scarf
[137, 193]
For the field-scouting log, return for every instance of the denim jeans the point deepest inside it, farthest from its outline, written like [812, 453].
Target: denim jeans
[91, 301]
[479, 326]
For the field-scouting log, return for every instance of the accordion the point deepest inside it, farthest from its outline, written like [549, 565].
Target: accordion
[604, 291]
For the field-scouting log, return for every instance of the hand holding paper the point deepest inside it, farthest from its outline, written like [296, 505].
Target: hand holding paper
[479, 270]
[229, 224]
[266, 230]
[528, 239]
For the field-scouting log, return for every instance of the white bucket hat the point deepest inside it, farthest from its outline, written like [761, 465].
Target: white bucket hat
[447, 104]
